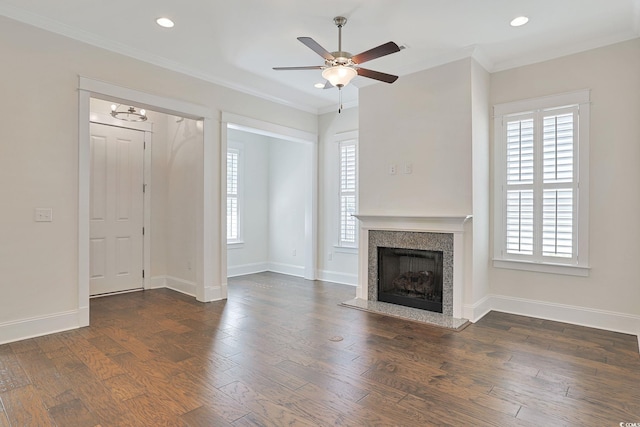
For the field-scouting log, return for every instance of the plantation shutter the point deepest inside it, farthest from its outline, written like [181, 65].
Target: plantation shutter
[558, 217]
[541, 183]
[348, 176]
[519, 194]
[232, 195]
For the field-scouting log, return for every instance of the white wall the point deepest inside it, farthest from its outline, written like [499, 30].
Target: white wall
[158, 189]
[436, 121]
[288, 187]
[183, 172]
[253, 254]
[610, 296]
[334, 264]
[39, 163]
[477, 278]
[423, 119]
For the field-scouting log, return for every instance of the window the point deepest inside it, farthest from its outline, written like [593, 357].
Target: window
[233, 199]
[348, 193]
[541, 220]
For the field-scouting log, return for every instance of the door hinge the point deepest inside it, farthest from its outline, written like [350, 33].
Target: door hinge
[143, 231]
[144, 188]
[143, 274]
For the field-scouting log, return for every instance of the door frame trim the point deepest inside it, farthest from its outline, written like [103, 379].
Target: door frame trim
[209, 283]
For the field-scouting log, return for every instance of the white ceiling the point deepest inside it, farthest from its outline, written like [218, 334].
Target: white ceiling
[237, 42]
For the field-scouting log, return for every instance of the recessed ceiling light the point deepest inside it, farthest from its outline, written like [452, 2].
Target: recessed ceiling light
[519, 21]
[319, 85]
[165, 22]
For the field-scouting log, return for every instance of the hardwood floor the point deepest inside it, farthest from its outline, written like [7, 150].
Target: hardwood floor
[272, 355]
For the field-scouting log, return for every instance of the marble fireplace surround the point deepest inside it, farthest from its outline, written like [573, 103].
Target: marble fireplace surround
[432, 233]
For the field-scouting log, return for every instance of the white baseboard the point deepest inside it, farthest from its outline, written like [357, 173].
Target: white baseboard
[211, 293]
[590, 317]
[44, 325]
[337, 277]
[156, 282]
[478, 310]
[241, 270]
[214, 293]
[290, 269]
[180, 285]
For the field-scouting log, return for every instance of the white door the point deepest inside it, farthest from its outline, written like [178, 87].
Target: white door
[116, 212]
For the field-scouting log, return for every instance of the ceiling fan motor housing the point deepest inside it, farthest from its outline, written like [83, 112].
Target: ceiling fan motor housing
[340, 58]
[340, 21]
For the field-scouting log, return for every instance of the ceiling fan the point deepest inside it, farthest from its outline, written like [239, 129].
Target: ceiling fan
[341, 67]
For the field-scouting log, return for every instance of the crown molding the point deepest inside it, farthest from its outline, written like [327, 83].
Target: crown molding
[550, 54]
[86, 37]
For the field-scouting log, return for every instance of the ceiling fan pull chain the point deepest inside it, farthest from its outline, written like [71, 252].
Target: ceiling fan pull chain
[340, 100]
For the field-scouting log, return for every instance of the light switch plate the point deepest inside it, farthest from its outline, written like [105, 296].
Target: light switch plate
[43, 214]
[408, 168]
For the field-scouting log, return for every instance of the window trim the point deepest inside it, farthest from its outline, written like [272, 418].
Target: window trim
[580, 267]
[341, 139]
[238, 147]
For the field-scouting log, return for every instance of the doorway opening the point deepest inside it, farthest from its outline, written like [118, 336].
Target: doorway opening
[271, 223]
[208, 282]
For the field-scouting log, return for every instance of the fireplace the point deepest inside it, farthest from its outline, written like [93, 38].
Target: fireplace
[441, 235]
[417, 248]
[410, 277]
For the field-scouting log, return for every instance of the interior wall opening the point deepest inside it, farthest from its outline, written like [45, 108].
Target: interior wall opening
[270, 209]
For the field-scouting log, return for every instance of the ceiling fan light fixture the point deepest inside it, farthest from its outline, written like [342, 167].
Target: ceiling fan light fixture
[339, 75]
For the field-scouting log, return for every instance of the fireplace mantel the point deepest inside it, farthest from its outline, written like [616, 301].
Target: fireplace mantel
[454, 225]
[443, 224]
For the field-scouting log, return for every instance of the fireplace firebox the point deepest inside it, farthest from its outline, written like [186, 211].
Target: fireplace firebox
[410, 277]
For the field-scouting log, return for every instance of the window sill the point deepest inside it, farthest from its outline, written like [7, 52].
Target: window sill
[345, 249]
[568, 270]
[235, 245]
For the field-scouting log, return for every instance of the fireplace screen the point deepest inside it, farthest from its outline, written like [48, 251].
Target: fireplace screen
[410, 277]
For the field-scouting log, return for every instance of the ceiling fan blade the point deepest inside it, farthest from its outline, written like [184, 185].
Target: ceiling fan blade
[376, 52]
[310, 67]
[377, 75]
[314, 46]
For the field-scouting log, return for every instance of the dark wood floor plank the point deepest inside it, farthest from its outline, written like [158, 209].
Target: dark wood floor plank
[73, 413]
[270, 356]
[152, 375]
[263, 407]
[98, 398]
[346, 413]
[123, 387]
[12, 374]
[209, 369]
[204, 417]
[98, 362]
[565, 408]
[25, 408]
[130, 342]
[151, 411]
[215, 399]
[4, 419]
